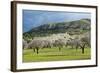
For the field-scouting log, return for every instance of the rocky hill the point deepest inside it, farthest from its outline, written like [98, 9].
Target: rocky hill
[72, 27]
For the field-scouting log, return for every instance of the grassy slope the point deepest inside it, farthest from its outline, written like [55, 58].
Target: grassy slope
[53, 54]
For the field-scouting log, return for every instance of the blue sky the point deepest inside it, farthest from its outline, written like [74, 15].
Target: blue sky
[34, 18]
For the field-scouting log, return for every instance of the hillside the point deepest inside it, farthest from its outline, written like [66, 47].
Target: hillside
[72, 27]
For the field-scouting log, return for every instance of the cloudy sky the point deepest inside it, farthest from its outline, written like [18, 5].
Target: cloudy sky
[34, 18]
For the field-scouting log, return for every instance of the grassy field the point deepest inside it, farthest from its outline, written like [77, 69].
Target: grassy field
[53, 54]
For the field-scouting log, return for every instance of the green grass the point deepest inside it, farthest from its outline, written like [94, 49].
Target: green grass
[53, 54]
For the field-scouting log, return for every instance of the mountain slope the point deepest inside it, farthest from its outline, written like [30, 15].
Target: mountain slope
[73, 27]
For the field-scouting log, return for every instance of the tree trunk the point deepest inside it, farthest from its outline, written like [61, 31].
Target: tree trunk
[37, 49]
[83, 50]
[83, 47]
[59, 48]
[34, 49]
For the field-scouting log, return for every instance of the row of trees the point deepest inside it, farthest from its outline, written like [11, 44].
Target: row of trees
[80, 41]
